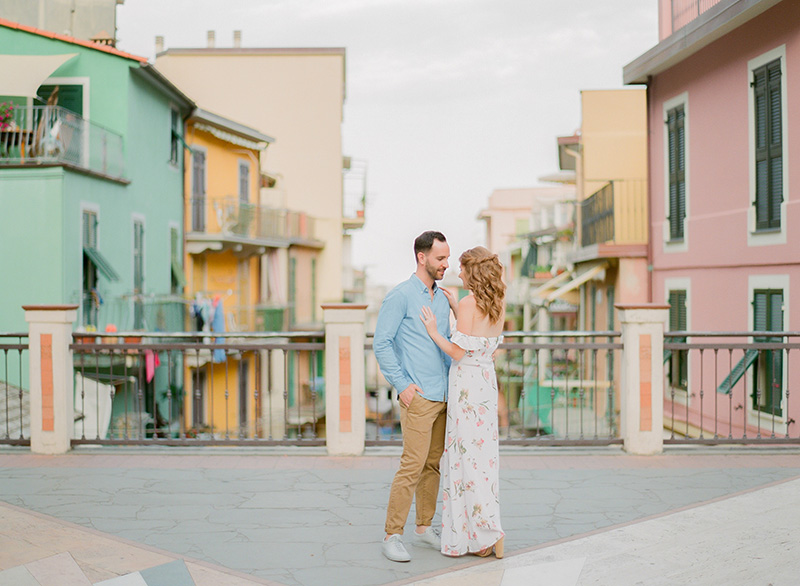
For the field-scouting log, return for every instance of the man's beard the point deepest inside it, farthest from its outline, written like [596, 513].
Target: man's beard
[433, 273]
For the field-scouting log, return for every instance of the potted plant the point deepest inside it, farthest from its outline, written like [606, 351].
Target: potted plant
[6, 115]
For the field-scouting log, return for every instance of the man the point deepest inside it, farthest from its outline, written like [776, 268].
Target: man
[418, 370]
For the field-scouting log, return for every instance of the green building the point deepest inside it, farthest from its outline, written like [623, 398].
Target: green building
[91, 183]
[91, 213]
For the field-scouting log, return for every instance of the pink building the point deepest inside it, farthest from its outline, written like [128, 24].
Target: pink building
[724, 226]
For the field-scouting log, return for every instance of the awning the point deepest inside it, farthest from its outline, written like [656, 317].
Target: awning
[23, 74]
[576, 282]
[551, 284]
[99, 261]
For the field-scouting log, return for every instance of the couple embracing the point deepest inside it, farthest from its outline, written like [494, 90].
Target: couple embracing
[448, 401]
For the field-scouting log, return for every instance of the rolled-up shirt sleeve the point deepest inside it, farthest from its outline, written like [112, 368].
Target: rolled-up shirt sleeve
[393, 310]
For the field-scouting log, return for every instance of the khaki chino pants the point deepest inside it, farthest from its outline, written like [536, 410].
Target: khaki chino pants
[423, 423]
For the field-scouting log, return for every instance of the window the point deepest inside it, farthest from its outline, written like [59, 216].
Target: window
[90, 297]
[199, 399]
[676, 161]
[177, 280]
[292, 291]
[175, 137]
[244, 181]
[313, 289]
[138, 274]
[678, 359]
[768, 134]
[244, 367]
[198, 191]
[768, 372]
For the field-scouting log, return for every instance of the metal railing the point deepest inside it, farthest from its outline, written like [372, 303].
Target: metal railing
[555, 389]
[229, 216]
[617, 213]
[681, 13]
[153, 313]
[52, 134]
[14, 397]
[731, 387]
[191, 389]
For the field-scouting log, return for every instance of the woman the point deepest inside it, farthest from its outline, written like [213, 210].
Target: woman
[471, 508]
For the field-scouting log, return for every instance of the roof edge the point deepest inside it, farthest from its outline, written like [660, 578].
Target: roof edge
[255, 51]
[710, 26]
[221, 122]
[72, 40]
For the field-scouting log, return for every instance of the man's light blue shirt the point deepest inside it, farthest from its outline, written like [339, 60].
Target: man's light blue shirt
[405, 351]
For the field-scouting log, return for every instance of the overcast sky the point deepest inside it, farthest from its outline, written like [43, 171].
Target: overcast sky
[447, 100]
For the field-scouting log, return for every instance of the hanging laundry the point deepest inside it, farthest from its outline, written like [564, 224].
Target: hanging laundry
[218, 325]
[151, 362]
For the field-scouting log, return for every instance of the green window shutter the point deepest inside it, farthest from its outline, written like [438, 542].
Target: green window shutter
[768, 115]
[679, 360]
[176, 266]
[244, 181]
[737, 372]
[531, 261]
[768, 375]
[292, 290]
[676, 146]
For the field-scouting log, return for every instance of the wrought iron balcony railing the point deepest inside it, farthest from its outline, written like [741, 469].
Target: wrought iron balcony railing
[55, 135]
[615, 213]
[229, 216]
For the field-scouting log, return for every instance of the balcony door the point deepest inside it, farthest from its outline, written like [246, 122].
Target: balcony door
[69, 97]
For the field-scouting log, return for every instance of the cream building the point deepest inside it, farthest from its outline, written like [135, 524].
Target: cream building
[296, 95]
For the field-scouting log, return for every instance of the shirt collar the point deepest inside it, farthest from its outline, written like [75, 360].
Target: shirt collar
[422, 287]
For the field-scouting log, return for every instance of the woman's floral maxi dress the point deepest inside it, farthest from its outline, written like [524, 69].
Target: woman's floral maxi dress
[471, 507]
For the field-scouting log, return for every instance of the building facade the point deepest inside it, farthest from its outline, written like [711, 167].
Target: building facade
[724, 221]
[297, 97]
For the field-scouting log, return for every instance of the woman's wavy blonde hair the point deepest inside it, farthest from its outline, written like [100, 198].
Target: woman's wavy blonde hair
[483, 274]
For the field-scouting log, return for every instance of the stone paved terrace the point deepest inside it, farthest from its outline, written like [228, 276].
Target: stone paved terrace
[298, 517]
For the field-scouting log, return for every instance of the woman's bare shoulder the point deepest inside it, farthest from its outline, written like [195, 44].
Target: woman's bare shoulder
[467, 302]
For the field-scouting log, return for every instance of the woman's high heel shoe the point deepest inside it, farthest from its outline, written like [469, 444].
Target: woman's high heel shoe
[497, 548]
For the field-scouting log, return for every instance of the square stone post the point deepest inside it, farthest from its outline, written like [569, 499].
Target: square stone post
[642, 385]
[345, 390]
[51, 376]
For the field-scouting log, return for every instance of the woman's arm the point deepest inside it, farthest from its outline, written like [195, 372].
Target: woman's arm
[452, 350]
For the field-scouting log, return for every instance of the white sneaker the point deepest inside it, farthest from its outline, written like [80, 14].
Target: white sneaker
[394, 549]
[428, 538]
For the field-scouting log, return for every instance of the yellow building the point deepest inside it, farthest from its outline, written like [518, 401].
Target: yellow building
[297, 95]
[230, 238]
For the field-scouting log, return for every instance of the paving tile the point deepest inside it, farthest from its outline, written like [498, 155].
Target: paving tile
[483, 578]
[171, 574]
[58, 570]
[134, 579]
[19, 576]
[561, 573]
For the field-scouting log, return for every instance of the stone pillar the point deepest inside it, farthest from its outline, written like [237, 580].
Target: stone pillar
[51, 376]
[345, 390]
[642, 385]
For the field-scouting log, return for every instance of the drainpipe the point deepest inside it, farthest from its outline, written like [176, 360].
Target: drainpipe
[649, 194]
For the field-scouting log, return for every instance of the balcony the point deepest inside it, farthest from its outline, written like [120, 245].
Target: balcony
[354, 193]
[678, 13]
[615, 215]
[52, 135]
[227, 223]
